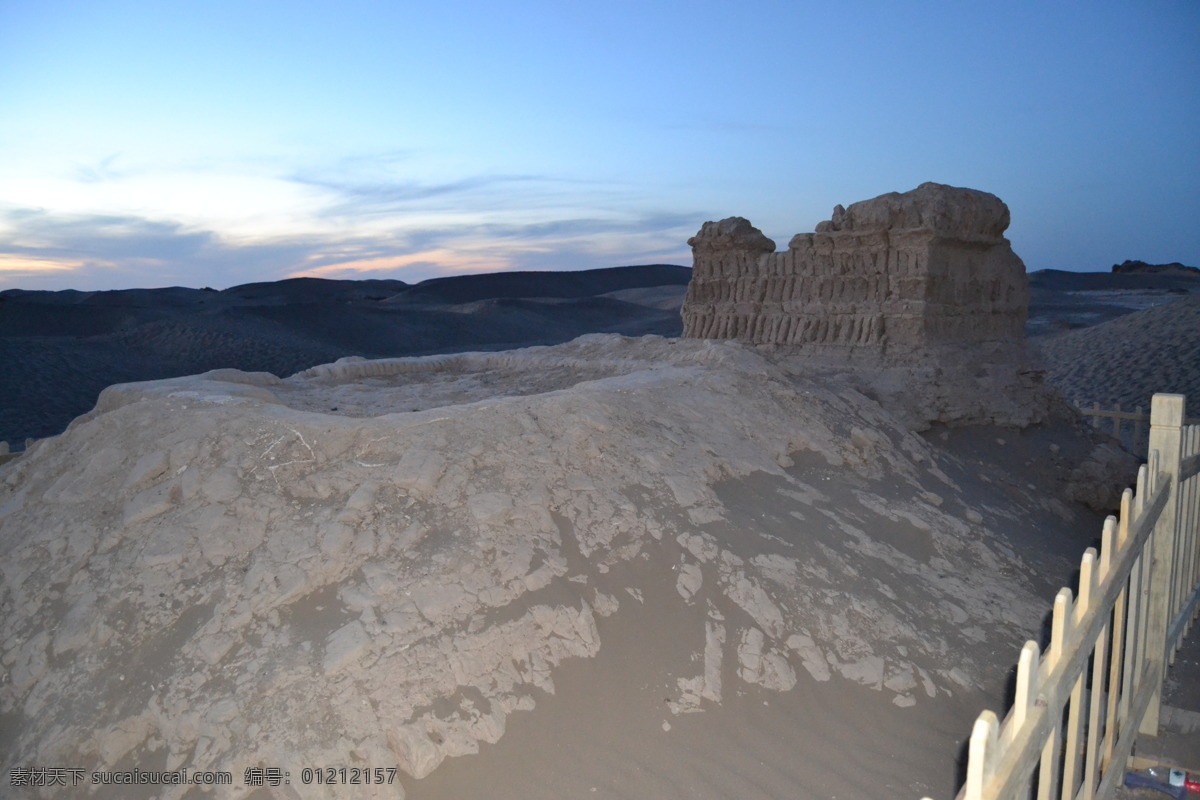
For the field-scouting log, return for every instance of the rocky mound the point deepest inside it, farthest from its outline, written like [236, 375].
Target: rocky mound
[1141, 267]
[390, 563]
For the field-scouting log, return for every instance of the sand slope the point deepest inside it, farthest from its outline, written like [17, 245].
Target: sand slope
[1062, 301]
[637, 567]
[1127, 359]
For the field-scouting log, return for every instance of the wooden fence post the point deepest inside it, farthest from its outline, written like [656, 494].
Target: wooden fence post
[1166, 437]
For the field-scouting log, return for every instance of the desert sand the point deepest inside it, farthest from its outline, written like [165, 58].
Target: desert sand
[58, 350]
[1126, 359]
[618, 567]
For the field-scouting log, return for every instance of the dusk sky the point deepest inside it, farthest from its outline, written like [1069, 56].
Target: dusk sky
[216, 143]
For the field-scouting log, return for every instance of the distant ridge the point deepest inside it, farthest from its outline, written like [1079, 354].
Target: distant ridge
[309, 290]
[1061, 300]
[582, 283]
[451, 289]
[1154, 269]
[1066, 281]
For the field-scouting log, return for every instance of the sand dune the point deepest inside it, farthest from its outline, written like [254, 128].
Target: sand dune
[58, 350]
[1125, 360]
[578, 283]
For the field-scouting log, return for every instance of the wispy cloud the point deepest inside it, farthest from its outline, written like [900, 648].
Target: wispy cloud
[99, 172]
[43, 249]
[14, 267]
[36, 231]
[436, 262]
[101, 251]
[387, 214]
[359, 191]
[573, 243]
[591, 226]
[353, 197]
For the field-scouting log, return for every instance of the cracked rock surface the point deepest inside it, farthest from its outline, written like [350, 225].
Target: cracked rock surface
[385, 563]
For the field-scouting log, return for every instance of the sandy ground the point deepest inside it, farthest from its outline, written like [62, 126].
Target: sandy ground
[1179, 744]
[622, 568]
[1127, 359]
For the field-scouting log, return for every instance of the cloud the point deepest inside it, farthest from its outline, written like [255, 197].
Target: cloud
[382, 196]
[40, 248]
[102, 236]
[99, 251]
[437, 262]
[371, 215]
[350, 194]
[592, 226]
[15, 268]
[101, 172]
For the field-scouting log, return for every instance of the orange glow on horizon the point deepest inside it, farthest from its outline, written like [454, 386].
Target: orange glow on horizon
[24, 265]
[447, 260]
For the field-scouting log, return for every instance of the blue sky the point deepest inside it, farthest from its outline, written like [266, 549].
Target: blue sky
[215, 143]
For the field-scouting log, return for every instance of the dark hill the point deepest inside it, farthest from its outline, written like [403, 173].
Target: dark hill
[314, 290]
[1155, 269]
[58, 350]
[582, 283]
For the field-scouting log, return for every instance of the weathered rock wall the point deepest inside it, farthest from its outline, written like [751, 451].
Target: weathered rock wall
[893, 275]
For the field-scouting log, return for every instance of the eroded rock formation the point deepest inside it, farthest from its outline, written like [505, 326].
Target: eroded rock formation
[896, 275]
[916, 294]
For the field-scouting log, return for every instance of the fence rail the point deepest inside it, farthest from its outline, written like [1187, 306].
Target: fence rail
[1081, 704]
[1132, 436]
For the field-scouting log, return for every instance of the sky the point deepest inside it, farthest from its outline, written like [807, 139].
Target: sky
[218, 143]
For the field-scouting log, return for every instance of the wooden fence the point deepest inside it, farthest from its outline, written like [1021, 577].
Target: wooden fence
[1133, 436]
[1080, 705]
